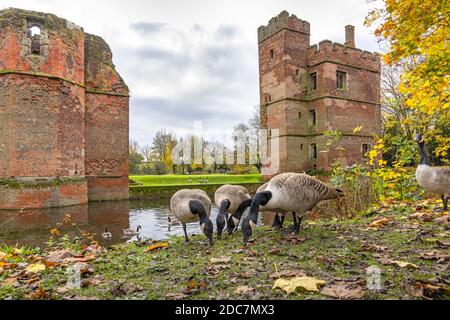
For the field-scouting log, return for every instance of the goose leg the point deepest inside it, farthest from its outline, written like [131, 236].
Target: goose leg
[294, 226]
[278, 221]
[297, 226]
[445, 200]
[186, 238]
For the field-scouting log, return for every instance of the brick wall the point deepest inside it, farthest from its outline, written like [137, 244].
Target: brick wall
[286, 60]
[63, 114]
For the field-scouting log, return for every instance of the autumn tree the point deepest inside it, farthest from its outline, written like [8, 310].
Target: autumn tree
[417, 33]
[135, 158]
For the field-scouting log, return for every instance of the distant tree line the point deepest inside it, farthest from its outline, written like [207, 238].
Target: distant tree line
[156, 158]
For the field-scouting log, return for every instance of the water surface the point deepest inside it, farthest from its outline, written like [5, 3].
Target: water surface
[32, 227]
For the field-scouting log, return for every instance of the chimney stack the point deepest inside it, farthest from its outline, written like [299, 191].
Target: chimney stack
[350, 36]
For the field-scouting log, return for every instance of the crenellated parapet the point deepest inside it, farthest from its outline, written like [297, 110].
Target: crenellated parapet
[328, 51]
[280, 22]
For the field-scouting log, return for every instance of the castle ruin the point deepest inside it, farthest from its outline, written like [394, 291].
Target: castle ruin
[63, 114]
[306, 91]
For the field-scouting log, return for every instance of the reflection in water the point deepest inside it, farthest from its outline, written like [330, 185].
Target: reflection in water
[32, 227]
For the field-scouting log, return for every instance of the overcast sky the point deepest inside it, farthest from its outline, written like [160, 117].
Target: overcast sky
[189, 60]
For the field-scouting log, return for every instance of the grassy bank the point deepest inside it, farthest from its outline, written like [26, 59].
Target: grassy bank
[172, 179]
[405, 241]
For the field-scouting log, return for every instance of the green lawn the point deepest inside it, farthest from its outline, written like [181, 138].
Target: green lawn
[173, 179]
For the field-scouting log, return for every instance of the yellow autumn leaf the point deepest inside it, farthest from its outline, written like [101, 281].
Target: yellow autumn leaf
[291, 285]
[403, 264]
[35, 267]
[357, 129]
[156, 246]
[18, 251]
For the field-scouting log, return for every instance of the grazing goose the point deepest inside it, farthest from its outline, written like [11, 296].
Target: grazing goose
[296, 192]
[131, 232]
[189, 205]
[432, 179]
[106, 234]
[278, 219]
[228, 198]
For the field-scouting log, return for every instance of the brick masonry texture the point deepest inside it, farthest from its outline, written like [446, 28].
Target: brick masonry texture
[286, 60]
[63, 115]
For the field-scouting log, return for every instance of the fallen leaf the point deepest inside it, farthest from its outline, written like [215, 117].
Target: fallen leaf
[59, 256]
[10, 281]
[403, 264]
[306, 283]
[373, 247]
[293, 238]
[194, 284]
[288, 273]
[341, 291]
[275, 251]
[156, 246]
[380, 222]
[40, 293]
[220, 260]
[434, 255]
[95, 249]
[244, 290]
[18, 251]
[2, 255]
[176, 296]
[35, 268]
[50, 264]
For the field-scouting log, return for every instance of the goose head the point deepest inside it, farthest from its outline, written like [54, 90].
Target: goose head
[419, 138]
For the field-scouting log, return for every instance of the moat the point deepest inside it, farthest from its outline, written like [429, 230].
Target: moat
[32, 227]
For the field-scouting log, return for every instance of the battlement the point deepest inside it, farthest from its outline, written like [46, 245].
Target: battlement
[14, 17]
[280, 22]
[327, 50]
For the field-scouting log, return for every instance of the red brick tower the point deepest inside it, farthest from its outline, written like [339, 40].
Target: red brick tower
[47, 84]
[307, 90]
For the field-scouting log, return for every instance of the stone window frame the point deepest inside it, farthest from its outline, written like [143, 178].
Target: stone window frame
[344, 81]
[313, 151]
[31, 23]
[365, 150]
[316, 81]
[312, 118]
[272, 54]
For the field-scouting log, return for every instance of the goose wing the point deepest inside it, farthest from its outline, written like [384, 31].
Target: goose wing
[233, 193]
[443, 178]
[303, 187]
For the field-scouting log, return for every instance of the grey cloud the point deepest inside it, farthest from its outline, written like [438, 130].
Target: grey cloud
[147, 27]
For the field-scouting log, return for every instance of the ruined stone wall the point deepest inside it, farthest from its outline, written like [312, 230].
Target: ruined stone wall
[106, 124]
[63, 114]
[286, 61]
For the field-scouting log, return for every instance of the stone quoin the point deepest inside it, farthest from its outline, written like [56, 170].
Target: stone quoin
[64, 113]
[306, 90]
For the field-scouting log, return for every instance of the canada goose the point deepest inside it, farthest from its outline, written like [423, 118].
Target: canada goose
[228, 199]
[131, 232]
[278, 219]
[171, 223]
[106, 235]
[189, 205]
[432, 179]
[296, 192]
